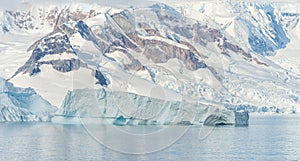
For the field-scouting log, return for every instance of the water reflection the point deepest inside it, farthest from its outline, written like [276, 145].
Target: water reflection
[267, 138]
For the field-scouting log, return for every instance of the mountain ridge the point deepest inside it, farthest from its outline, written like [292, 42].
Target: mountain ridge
[140, 43]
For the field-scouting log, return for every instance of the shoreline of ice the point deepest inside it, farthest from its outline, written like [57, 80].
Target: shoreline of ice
[133, 109]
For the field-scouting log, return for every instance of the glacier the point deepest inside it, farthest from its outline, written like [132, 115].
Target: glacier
[23, 104]
[132, 109]
[275, 36]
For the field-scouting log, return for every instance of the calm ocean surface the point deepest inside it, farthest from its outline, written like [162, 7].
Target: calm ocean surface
[269, 137]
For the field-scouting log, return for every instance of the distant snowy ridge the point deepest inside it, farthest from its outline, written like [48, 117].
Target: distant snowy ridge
[261, 26]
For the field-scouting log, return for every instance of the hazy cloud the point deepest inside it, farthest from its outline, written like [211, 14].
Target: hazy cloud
[26, 4]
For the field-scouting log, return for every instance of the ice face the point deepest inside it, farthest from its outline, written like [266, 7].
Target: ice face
[241, 118]
[133, 109]
[23, 104]
[224, 118]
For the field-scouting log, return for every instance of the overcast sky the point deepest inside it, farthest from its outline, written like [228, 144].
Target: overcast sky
[22, 4]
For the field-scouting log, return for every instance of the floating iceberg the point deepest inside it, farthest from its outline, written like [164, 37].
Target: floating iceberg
[132, 109]
[241, 118]
[120, 121]
[23, 104]
[224, 118]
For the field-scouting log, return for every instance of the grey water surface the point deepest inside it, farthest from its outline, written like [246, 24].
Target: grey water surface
[268, 137]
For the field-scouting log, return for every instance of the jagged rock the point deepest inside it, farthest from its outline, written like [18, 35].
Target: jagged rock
[101, 79]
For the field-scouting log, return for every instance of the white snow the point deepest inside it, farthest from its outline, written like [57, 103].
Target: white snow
[242, 82]
[53, 85]
[289, 57]
[13, 52]
[63, 56]
[168, 41]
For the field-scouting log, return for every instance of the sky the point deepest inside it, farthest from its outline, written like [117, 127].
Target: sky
[23, 4]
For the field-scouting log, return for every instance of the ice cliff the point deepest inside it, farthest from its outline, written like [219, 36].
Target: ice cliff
[22, 104]
[132, 109]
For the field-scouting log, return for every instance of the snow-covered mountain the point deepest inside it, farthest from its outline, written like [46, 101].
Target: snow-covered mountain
[262, 27]
[225, 53]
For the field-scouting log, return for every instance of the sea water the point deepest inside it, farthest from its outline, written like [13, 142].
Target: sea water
[268, 137]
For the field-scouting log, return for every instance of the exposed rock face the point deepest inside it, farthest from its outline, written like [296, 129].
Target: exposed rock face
[100, 77]
[23, 20]
[84, 30]
[51, 18]
[66, 65]
[205, 34]
[55, 44]
[159, 51]
[126, 21]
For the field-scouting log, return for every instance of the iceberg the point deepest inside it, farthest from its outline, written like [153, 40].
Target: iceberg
[241, 118]
[23, 104]
[120, 121]
[225, 118]
[133, 109]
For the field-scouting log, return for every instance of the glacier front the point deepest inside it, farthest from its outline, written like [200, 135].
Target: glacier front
[131, 109]
[23, 104]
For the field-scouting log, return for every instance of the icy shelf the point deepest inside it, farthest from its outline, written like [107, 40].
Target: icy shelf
[132, 109]
[23, 104]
